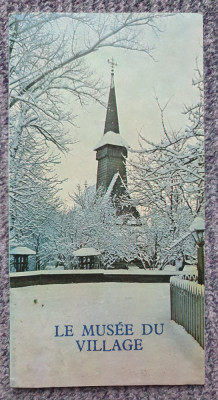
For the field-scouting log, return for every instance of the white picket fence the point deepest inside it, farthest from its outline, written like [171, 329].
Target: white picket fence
[187, 306]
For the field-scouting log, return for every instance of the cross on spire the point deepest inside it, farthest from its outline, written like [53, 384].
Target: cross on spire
[112, 63]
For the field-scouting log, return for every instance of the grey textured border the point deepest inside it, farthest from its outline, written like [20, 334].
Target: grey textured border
[208, 391]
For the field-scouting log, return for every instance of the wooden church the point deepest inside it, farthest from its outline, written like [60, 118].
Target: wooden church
[111, 154]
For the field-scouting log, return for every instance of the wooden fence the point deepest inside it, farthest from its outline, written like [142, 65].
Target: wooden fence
[187, 306]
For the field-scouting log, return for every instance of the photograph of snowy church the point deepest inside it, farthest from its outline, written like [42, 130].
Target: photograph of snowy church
[107, 183]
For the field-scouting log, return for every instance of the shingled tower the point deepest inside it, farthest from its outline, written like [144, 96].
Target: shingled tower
[112, 149]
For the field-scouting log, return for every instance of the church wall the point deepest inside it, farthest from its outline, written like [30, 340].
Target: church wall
[110, 161]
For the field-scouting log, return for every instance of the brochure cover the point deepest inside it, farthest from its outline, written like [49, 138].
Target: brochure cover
[106, 199]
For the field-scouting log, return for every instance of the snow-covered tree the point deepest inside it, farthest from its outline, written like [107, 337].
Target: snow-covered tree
[49, 58]
[33, 195]
[167, 179]
[101, 228]
[92, 222]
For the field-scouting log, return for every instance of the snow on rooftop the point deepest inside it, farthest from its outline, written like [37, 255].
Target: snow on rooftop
[132, 221]
[111, 138]
[22, 251]
[198, 224]
[86, 251]
[112, 183]
[190, 269]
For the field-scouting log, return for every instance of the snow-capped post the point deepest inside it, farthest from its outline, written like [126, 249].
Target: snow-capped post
[197, 228]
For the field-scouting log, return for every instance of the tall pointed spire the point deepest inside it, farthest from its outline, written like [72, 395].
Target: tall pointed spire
[111, 154]
[112, 148]
[111, 122]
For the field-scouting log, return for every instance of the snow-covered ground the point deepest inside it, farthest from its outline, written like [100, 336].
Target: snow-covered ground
[39, 359]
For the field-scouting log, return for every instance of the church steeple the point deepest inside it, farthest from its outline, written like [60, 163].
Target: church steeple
[111, 122]
[111, 150]
[111, 154]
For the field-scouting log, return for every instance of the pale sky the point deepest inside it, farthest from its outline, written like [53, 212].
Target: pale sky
[137, 79]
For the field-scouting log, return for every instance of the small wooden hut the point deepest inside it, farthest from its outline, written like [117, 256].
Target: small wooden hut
[89, 258]
[21, 255]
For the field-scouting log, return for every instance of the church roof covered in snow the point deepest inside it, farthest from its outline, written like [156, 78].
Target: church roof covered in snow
[111, 130]
[112, 184]
[130, 208]
[113, 139]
